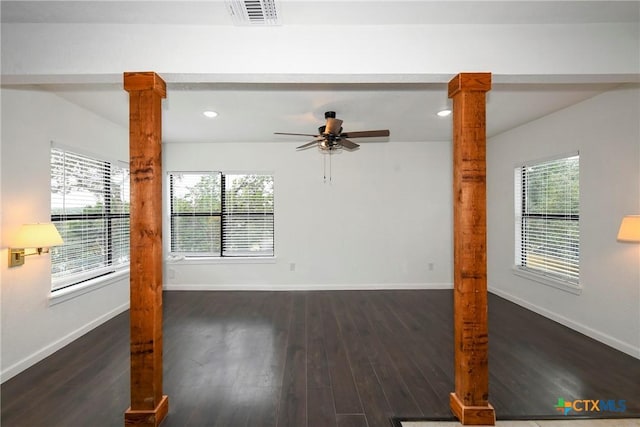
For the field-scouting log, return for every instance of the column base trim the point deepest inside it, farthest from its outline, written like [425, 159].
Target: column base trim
[147, 417]
[472, 415]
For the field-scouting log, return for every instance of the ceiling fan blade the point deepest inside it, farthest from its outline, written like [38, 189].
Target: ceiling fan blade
[349, 145]
[308, 144]
[365, 133]
[333, 126]
[296, 134]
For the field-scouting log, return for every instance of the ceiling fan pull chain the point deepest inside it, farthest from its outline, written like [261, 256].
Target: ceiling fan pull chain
[324, 169]
[330, 174]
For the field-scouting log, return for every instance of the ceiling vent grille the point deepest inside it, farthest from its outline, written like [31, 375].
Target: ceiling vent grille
[253, 12]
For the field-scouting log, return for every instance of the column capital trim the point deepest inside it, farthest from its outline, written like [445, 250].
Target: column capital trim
[144, 80]
[469, 82]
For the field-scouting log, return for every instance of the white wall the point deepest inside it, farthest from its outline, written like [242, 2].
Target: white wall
[384, 218]
[31, 327]
[606, 131]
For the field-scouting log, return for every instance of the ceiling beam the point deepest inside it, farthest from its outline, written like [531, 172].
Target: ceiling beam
[308, 53]
[198, 80]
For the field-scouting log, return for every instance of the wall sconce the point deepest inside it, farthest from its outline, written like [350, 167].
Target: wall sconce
[629, 229]
[40, 236]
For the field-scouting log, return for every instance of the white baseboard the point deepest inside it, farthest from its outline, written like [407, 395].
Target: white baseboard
[48, 350]
[583, 329]
[307, 287]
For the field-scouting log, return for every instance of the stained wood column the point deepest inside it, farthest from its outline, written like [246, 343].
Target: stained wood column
[148, 405]
[470, 402]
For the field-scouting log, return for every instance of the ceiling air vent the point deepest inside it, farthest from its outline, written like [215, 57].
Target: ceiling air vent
[253, 12]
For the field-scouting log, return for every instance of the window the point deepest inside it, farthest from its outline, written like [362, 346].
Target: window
[548, 219]
[90, 208]
[221, 215]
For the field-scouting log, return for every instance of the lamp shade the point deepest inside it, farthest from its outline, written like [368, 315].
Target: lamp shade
[629, 229]
[40, 235]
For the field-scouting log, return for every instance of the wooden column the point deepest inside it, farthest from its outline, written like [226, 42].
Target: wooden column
[148, 405]
[470, 402]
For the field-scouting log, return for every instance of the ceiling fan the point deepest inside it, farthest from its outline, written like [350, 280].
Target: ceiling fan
[330, 136]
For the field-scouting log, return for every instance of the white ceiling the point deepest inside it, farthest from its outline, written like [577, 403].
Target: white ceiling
[322, 12]
[252, 111]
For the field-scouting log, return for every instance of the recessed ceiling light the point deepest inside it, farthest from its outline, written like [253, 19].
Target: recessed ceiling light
[210, 114]
[443, 113]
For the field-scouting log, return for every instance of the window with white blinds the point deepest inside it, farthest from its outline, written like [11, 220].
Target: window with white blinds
[196, 212]
[548, 218]
[90, 209]
[221, 215]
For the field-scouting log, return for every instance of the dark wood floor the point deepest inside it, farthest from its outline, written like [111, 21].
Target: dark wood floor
[305, 359]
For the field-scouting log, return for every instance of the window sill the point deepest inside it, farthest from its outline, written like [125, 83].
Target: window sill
[181, 260]
[573, 288]
[62, 295]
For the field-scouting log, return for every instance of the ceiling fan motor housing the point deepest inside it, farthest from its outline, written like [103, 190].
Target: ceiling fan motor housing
[322, 130]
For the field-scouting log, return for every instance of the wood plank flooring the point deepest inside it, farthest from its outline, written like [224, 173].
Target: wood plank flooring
[317, 359]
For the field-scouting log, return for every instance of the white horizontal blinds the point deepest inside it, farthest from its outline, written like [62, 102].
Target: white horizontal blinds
[550, 232]
[247, 215]
[195, 213]
[119, 226]
[90, 208]
[207, 221]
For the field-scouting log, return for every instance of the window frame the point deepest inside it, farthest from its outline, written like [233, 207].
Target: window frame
[218, 256]
[62, 288]
[559, 281]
